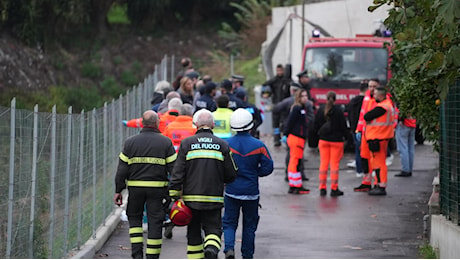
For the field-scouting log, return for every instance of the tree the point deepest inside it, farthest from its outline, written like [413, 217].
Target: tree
[425, 56]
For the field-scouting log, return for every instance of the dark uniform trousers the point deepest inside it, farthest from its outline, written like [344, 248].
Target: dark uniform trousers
[153, 199]
[211, 223]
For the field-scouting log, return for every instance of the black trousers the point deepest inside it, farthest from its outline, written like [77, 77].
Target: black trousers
[211, 223]
[152, 198]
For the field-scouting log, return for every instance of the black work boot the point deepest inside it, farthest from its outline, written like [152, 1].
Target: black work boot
[276, 140]
[377, 191]
[210, 252]
[336, 193]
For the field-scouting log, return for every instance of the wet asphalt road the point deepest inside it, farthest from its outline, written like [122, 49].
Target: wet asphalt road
[355, 225]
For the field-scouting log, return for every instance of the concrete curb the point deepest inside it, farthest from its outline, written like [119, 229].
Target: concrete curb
[103, 233]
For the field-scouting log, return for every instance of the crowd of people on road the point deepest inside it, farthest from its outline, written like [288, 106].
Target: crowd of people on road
[199, 145]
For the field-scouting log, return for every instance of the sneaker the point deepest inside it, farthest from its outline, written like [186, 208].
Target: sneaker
[291, 190]
[389, 160]
[336, 193]
[403, 174]
[277, 142]
[362, 187]
[210, 252]
[351, 164]
[322, 192]
[377, 191]
[301, 190]
[168, 231]
[359, 175]
[230, 254]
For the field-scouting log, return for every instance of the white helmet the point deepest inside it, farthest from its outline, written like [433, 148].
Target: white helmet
[241, 120]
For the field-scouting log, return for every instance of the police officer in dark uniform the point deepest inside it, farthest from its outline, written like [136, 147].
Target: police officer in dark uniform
[144, 164]
[204, 164]
[207, 99]
[238, 83]
[304, 81]
[233, 102]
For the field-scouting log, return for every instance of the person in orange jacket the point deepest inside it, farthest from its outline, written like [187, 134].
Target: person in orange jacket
[181, 127]
[379, 130]
[368, 104]
[170, 115]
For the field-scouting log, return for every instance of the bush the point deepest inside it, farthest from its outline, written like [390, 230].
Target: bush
[90, 70]
[111, 88]
[128, 78]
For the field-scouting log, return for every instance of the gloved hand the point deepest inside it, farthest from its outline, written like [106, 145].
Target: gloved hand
[284, 139]
[358, 136]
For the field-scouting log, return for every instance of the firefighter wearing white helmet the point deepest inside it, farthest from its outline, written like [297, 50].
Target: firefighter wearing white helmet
[253, 160]
[241, 120]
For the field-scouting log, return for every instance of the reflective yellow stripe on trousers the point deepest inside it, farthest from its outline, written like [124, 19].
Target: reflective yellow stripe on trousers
[155, 184]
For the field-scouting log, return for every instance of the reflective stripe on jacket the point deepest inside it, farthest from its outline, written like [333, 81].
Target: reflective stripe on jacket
[204, 164]
[222, 122]
[145, 161]
[382, 127]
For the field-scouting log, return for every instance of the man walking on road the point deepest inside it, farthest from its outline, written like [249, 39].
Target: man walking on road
[204, 164]
[144, 164]
[254, 161]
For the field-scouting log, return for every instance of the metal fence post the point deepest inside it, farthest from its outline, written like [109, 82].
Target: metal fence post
[11, 179]
[172, 68]
[80, 177]
[104, 159]
[67, 181]
[93, 133]
[53, 181]
[33, 183]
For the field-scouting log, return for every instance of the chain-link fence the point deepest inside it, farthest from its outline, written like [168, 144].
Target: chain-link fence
[450, 156]
[57, 171]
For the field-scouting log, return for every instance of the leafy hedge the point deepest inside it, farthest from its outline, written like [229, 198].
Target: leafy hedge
[426, 56]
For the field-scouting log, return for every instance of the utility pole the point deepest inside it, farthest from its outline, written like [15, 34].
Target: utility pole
[303, 24]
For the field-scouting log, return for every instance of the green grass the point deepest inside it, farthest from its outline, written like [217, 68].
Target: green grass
[428, 252]
[250, 70]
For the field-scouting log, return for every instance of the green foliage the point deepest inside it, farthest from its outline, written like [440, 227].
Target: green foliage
[117, 60]
[118, 14]
[253, 17]
[111, 88]
[90, 70]
[428, 252]
[426, 57]
[128, 78]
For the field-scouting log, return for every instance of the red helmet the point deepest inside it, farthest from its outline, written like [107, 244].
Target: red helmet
[180, 214]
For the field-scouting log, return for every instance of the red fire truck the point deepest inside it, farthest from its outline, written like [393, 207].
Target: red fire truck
[339, 64]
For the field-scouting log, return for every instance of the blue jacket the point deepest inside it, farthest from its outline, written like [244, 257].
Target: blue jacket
[253, 160]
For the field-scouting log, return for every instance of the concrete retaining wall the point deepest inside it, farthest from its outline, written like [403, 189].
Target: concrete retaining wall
[445, 237]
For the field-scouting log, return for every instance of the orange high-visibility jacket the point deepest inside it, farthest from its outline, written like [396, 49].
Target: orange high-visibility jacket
[179, 129]
[382, 127]
[167, 118]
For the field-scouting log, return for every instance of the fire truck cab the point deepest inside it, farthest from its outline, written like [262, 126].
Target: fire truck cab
[339, 64]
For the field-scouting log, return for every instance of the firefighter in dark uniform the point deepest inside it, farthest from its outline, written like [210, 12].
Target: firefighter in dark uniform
[143, 167]
[204, 164]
